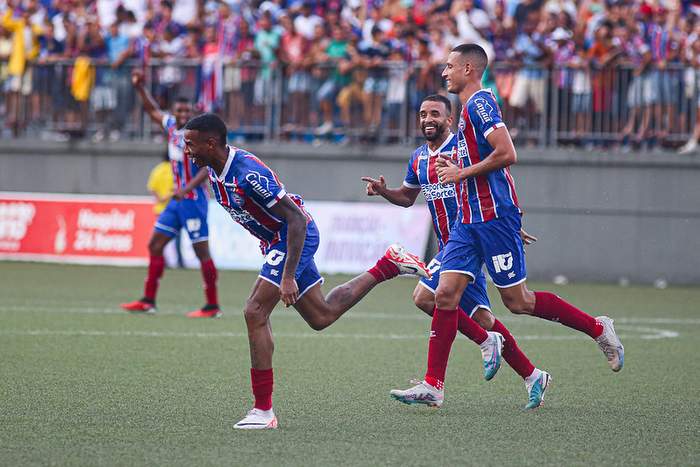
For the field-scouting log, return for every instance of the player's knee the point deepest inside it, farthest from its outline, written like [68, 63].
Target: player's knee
[155, 247]
[484, 318]
[318, 324]
[446, 297]
[425, 303]
[254, 314]
[518, 305]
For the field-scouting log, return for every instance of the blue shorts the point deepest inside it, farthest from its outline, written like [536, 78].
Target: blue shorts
[474, 295]
[188, 213]
[496, 242]
[307, 274]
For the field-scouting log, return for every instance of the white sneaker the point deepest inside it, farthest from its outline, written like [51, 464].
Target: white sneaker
[406, 262]
[258, 420]
[421, 393]
[324, 128]
[610, 344]
[690, 147]
[491, 350]
[536, 385]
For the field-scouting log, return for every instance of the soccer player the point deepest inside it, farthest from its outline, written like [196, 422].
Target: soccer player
[256, 199]
[488, 231]
[435, 122]
[187, 208]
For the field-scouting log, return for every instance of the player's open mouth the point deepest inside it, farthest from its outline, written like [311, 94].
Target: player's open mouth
[429, 128]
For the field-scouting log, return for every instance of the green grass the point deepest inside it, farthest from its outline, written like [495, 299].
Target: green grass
[82, 383]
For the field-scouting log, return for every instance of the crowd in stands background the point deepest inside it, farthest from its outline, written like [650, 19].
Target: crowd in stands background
[354, 63]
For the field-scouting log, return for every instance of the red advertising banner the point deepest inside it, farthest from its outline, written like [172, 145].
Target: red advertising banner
[89, 229]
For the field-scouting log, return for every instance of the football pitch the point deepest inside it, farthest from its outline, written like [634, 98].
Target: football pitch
[83, 383]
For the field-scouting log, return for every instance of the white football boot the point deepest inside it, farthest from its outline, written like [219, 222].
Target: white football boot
[491, 350]
[421, 393]
[258, 420]
[406, 262]
[610, 344]
[536, 385]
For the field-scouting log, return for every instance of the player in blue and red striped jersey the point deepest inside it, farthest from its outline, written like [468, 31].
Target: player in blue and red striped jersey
[256, 199]
[187, 209]
[435, 122]
[488, 232]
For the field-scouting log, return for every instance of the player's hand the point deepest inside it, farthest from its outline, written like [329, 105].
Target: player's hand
[179, 195]
[137, 78]
[289, 291]
[447, 171]
[375, 187]
[527, 238]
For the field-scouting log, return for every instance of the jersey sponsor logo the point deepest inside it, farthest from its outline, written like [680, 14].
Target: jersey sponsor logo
[242, 217]
[503, 262]
[274, 257]
[259, 183]
[462, 150]
[483, 109]
[434, 191]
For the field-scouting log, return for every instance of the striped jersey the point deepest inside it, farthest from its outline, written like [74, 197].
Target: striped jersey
[441, 199]
[248, 189]
[492, 195]
[183, 167]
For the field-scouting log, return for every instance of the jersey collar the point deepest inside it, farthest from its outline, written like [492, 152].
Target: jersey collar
[442, 146]
[477, 92]
[227, 166]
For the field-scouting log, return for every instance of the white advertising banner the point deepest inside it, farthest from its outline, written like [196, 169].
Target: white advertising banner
[353, 236]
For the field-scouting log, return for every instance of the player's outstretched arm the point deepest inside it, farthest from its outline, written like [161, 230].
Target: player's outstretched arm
[149, 104]
[197, 180]
[503, 155]
[296, 234]
[403, 196]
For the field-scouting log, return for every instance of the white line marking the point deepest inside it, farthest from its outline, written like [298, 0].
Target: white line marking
[640, 333]
[410, 315]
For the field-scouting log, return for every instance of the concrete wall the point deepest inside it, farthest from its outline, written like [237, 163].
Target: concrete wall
[598, 217]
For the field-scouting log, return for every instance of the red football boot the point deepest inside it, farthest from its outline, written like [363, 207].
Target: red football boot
[208, 311]
[140, 306]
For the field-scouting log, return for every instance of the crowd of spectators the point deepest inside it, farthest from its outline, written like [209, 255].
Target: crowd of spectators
[626, 69]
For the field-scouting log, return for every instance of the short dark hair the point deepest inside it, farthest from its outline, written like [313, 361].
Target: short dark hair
[182, 100]
[476, 52]
[209, 123]
[440, 98]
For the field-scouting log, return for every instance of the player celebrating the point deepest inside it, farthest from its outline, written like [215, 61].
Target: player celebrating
[257, 200]
[187, 208]
[435, 122]
[488, 231]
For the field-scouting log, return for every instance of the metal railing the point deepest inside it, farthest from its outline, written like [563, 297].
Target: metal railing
[542, 106]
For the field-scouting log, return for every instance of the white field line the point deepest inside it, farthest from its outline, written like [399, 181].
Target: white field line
[638, 332]
[410, 315]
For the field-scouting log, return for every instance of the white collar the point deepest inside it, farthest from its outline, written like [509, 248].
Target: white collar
[442, 146]
[227, 166]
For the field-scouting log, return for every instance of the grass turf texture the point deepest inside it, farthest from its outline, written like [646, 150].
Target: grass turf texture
[83, 383]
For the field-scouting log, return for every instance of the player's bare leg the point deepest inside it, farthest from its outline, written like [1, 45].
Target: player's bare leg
[258, 307]
[546, 305]
[156, 266]
[209, 276]
[320, 312]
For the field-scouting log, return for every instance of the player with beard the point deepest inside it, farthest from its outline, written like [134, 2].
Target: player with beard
[435, 122]
[487, 231]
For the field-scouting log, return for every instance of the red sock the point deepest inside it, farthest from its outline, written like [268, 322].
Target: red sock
[384, 270]
[442, 333]
[209, 275]
[512, 353]
[552, 307]
[156, 265]
[470, 328]
[262, 382]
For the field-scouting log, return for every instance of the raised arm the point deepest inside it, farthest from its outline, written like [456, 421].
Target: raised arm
[403, 196]
[149, 104]
[197, 180]
[296, 235]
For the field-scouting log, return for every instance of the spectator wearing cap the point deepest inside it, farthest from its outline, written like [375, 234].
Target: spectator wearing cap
[563, 50]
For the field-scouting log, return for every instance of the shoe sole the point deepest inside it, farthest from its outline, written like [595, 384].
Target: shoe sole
[490, 376]
[414, 402]
[152, 311]
[270, 426]
[218, 314]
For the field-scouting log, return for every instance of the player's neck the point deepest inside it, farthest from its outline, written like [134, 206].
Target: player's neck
[469, 90]
[436, 143]
[219, 162]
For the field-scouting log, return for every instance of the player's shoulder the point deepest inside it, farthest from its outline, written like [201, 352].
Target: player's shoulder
[483, 98]
[420, 152]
